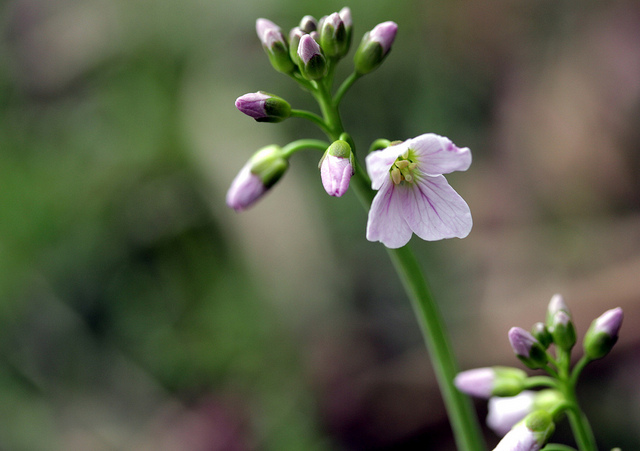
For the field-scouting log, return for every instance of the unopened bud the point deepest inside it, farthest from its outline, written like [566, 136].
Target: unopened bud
[542, 334]
[336, 168]
[556, 304]
[374, 47]
[603, 334]
[275, 45]
[563, 331]
[527, 348]
[308, 24]
[494, 381]
[312, 62]
[255, 178]
[264, 107]
[333, 36]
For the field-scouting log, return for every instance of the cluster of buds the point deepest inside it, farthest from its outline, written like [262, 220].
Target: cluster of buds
[314, 45]
[308, 54]
[528, 417]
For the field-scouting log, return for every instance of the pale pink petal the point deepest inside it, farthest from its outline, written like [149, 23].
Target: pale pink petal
[434, 210]
[385, 223]
[380, 161]
[437, 155]
[335, 173]
[504, 413]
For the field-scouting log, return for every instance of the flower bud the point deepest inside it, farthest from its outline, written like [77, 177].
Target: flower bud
[527, 348]
[345, 15]
[563, 330]
[542, 334]
[487, 382]
[603, 334]
[255, 178]
[295, 35]
[275, 44]
[374, 47]
[530, 435]
[336, 168]
[556, 304]
[264, 107]
[333, 36]
[312, 62]
[308, 24]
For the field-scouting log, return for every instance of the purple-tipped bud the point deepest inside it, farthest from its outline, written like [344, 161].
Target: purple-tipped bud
[312, 62]
[487, 382]
[541, 333]
[336, 168]
[333, 36]
[255, 178]
[295, 35]
[529, 435]
[527, 348]
[374, 47]
[308, 24]
[556, 304]
[563, 330]
[264, 25]
[477, 382]
[345, 15]
[264, 107]
[603, 334]
[275, 45]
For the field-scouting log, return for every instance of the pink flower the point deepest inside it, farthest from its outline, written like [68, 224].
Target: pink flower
[413, 195]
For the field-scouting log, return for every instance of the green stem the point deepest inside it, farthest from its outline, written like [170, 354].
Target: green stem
[462, 415]
[540, 381]
[344, 87]
[577, 419]
[311, 117]
[300, 144]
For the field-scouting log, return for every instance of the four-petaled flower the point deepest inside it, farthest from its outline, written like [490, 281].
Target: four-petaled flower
[413, 195]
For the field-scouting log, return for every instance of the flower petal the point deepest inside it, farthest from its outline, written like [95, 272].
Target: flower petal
[386, 223]
[438, 155]
[434, 210]
[380, 161]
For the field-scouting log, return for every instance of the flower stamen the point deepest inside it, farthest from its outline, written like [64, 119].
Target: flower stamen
[402, 169]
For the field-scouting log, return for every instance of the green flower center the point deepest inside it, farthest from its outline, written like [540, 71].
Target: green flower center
[403, 168]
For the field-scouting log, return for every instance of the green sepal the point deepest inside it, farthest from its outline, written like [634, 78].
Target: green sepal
[542, 334]
[508, 381]
[369, 56]
[269, 164]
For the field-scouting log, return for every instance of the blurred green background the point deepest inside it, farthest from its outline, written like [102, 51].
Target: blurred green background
[138, 312]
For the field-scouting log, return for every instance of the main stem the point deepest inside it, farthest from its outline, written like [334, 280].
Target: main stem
[577, 419]
[461, 413]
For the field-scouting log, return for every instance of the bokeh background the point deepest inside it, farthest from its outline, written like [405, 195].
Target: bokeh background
[138, 312]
